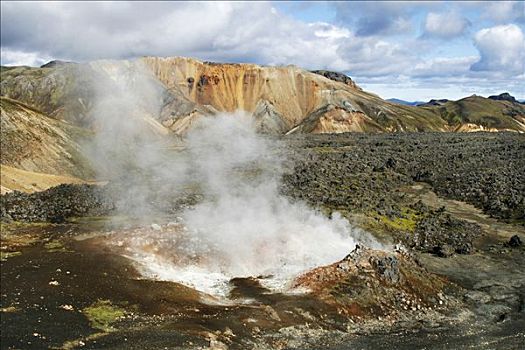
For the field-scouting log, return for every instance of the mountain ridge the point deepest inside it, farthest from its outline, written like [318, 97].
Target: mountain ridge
[282, 99]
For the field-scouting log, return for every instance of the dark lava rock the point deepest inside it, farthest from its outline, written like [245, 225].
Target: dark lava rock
[437, 228]
[59, 203]
[390, 163]
[387, 268]
[444, 251]
[340, 77]
[504, 97]
[434, 102]
[55, 204]
[203, 80]
[465, 248]
[515, 241]
[348, 171]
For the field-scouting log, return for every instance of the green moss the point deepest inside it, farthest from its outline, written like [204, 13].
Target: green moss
[6, 255]
[78, 343]
[407, 222]
[55, 246]
[13, 228]
[103, 314]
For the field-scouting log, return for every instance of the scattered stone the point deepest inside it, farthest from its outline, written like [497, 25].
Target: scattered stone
[67, 307]
[465, 248]
[477, 297]
[515, 241]
[444, 251]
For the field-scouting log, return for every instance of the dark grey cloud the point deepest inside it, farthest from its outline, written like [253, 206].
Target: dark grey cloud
[380, 17]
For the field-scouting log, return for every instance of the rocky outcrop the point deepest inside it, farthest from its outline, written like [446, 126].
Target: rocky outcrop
[55, 63]
[339, 77]
[374, 283]
[504, 97]
[55, 204]
[336, 119]
[434, 102]
[268, 119]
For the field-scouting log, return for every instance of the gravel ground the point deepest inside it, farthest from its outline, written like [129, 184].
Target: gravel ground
[56, 281]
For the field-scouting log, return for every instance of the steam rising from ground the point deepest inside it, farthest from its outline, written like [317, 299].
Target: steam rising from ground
[247, 224]
[243, 227]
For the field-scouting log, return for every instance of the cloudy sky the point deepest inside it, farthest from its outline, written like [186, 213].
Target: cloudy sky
[408, 50]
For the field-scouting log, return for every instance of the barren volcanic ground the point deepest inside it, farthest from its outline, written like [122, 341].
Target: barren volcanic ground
[448, 209]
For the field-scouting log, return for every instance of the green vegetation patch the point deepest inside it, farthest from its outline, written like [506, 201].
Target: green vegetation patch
[55, 246]
[103, 314]
[407, 222]
[6, 255]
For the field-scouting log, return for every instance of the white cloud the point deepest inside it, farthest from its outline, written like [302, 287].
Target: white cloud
[502, 50]
[359, 42]
[504, 11]
[20, 58]
[250, 32]
[445, 25]
[326, 30]
[444, 66]
[253, 32]
[368, 56]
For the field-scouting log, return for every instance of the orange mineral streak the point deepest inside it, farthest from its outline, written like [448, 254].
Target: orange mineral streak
[292, 91]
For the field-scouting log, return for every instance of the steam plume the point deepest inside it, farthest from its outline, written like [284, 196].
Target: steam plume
[243, 227]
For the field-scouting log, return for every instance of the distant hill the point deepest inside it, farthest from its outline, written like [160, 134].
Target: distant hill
[504, 97]
[403, 102]
[477, 113]
[434, 102]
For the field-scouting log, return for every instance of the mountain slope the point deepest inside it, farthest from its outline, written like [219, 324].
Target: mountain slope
[34, 142]
[485, 114]
[291, 93]
[281, 99]
[13, 179]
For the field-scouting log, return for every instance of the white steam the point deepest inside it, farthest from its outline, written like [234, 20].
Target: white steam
[254, 229]
[130, 144]
[243, 227]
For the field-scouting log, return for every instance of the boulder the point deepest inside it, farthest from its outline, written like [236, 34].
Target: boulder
[515, 241]
[387, 268]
